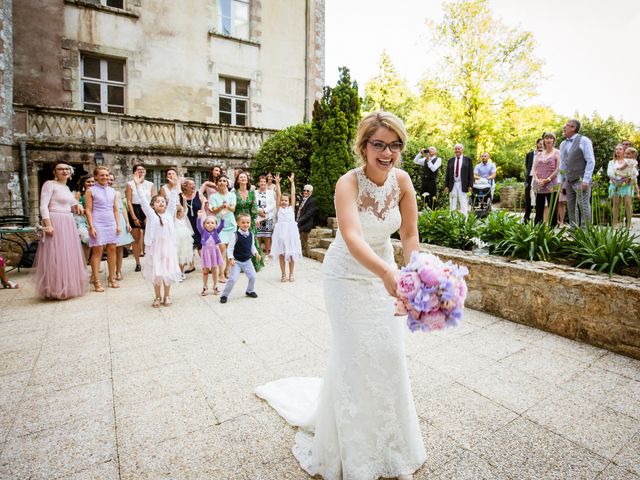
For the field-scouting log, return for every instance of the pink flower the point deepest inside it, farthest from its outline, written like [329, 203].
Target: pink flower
[430, 275]
[434, 319]
[401, 308]
[408, 284]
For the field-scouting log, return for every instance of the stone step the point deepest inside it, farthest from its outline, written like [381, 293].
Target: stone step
[321, 232]
[325, 242]
[317, 254]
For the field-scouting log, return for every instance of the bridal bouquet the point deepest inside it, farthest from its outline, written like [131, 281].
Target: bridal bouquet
[432, 293]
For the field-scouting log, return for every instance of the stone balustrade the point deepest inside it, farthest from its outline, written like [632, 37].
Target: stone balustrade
[50, 126]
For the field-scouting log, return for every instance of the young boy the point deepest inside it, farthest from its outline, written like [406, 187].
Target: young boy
[239, 251]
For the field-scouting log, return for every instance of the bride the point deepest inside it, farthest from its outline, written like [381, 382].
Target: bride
[360, 422]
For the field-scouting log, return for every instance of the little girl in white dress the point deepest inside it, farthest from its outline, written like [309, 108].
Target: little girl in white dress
[285, 241]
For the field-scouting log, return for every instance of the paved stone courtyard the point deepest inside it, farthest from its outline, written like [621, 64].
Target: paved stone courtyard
[105, 387]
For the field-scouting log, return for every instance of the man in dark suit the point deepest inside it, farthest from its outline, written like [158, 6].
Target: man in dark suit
[528, 179]
[306, 214]
[459, 180]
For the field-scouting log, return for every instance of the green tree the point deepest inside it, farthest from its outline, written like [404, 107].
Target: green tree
[335, 120]
[286, 151]
[387, 90]
[486, 65]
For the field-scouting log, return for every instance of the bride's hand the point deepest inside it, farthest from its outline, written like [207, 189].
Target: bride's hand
[390, 279]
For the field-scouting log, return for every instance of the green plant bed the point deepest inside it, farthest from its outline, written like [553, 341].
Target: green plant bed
[596, 247]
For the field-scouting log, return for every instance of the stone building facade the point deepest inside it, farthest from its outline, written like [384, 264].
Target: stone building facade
[186, 84]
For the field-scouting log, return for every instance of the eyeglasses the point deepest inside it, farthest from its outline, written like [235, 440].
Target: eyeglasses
[380, 146]
[63, 169]
[306, 190]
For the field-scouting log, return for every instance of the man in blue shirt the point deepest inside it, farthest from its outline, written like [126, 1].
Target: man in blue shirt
[486, 169]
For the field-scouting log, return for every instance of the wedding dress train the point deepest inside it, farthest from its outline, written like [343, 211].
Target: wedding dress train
[359, 422]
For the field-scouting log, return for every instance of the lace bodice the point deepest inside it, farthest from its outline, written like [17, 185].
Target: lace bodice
[379, 212]
[378, 207]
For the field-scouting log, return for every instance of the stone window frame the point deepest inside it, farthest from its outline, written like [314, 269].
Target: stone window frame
[105, 3]
[97, 5]
[235, 99]
[233, 15]
[104, 82]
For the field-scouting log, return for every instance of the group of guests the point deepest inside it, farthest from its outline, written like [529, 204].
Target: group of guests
[231, 227]
[554, 176]
[562, 177]
[460, 176]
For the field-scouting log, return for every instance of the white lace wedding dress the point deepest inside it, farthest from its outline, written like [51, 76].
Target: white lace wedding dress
[359, 423]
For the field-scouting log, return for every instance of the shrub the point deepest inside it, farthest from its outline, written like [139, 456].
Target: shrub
[495, 226]
[532, 242]
[286, 151]
[448, 229]
[335, 120]
[604, 249]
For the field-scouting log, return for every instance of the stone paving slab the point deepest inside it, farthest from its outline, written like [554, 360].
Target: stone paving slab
[106, 387]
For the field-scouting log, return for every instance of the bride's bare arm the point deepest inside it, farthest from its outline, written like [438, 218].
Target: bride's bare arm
[409, 213]
[351, 231]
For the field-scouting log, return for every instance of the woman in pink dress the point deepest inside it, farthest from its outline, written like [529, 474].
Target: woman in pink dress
[546, 166]
[60, 268]
[104, 226]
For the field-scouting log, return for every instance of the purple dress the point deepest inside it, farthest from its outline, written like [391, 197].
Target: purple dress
[103, 219]
[210, 256]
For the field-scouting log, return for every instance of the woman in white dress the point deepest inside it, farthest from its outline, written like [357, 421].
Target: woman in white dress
[360, 422]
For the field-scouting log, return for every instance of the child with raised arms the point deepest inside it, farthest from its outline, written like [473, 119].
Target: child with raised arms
[160, 264]
[285, 242]
[210, 255]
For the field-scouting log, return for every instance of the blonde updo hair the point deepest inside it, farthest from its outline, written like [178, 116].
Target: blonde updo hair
[368, 126]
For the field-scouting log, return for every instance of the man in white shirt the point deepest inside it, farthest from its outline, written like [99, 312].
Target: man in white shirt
[459, 180]
[430, 162]
[577, 162]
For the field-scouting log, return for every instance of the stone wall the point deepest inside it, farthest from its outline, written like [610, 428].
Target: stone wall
[10, 203]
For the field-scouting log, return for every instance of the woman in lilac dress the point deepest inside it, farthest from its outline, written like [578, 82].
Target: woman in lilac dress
[60, 267]
[104, 226]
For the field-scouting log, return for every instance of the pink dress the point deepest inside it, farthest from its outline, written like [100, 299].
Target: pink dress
[546, 164]
[60, 264]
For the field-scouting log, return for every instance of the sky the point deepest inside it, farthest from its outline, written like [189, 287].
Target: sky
[586, 47]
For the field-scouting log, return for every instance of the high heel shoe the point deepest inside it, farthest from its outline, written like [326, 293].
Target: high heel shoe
[97, 286]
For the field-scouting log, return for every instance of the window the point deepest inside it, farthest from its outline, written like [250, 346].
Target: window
[113, 3]
[103, 84]
[233, 18]
[234, 101]
[199, 176]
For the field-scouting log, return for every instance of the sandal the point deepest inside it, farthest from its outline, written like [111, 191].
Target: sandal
[167, 302]
[204, 291]
[10, 284]
[222, 280]
[216, 291]
[119, 276]
[113, 284]
[283, 278]
[156, 302]
[291, 279]
[97, 286]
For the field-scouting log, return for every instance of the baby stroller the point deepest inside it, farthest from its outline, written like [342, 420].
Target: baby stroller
[481, 197]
